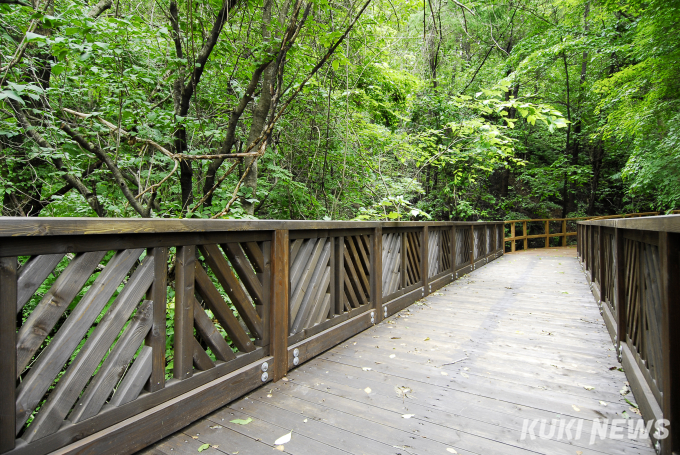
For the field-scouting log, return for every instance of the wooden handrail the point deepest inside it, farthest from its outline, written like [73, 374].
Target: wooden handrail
[85, 306]
[633, 267]
[563, 234]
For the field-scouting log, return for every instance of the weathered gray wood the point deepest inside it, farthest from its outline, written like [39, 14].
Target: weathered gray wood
[254, 253]
[245, 271]
[300, 315]
[278, 308]
[135, 378]
[8, 375]
[155, 339]
[69, 386]
[57, 352]
[318, 313]
[221, 310]
[294, 249]
[339, 272]
[298, 265]
[232, 287]
[42, 319]
[325, 308]
[113, 368]
[201, 360]
[185, 271]
[210, 335]
[298, 293]
[32, 274]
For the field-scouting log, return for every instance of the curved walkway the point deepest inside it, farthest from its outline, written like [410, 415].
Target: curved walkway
[513, 358]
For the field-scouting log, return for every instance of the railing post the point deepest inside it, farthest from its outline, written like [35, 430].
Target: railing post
[8, 354]
[512, 236]
[547, 234]
[600, 261]
[669, 252]
[156, 336]
[424, 262]
[620, 290]
[404, 259]
[472, 247]
[376, 273]
[525, 233]
[564, 232]
[185, 273]
[339, 283]
[453, 252]
[278, 307]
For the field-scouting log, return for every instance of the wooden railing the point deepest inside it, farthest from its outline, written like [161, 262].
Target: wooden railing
[560, 228]
[116, 333]
[633, 266]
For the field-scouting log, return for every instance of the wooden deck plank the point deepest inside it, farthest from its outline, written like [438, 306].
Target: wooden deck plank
[520, 338]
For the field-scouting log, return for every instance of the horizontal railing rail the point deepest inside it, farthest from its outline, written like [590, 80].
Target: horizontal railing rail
[563, 232]
[115, 333]
[633, 267]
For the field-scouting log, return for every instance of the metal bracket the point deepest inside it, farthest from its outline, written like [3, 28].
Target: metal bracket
[265, 366]
[265, 376]
[385, 311]
[296, 356]
[372, 317]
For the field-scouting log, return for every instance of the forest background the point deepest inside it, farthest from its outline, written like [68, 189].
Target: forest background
[319, 109]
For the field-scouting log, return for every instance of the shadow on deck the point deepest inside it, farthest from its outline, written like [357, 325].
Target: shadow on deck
[498, 362]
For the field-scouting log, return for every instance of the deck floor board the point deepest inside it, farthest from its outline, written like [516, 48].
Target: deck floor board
[520, 338]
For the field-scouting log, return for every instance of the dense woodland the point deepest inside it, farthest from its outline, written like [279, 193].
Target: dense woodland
[317, 109]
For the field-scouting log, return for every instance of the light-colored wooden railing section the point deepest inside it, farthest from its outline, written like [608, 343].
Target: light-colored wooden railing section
[633, 267]
[563, 234]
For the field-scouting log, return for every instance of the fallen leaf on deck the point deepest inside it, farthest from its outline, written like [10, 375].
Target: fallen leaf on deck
[392, 356]
[624, 390]
[367, 390]
[395, 338]
[215, 446]
[464, 375]
[283, 439]
[284, 379]
[403, 391]
[427, 339]
[241, 421]
[603, 403]
[215, 427]
[444, 373]
[575, 407]
[587, 387]
[269, 395]
[635, 410]
[366, 369]
[450, 450]
[407, 416]
[305, 421]
[279, 448]
[204, 447]
[579, 452]
[194, 437]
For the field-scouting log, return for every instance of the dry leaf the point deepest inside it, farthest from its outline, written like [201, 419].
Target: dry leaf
[279, 448]
[366, 369]
[450, 450]
[392, 356]
[407, 416]
[575, 407]
[194, 437]
[444, 373]
[305, 421]
[215, 446]
[269, 395]
[214, 427]
[427, 339]
[603, 403]
[587, 387]
[578, 452]
[283, 440]
[367, 390]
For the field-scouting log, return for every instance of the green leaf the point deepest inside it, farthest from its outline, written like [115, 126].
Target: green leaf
[204, 447]
[336, 65]
[241, 421]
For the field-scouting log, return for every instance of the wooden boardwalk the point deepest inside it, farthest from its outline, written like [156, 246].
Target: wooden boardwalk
[458, 372]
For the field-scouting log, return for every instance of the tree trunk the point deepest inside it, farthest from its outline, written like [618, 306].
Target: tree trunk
[260, 114]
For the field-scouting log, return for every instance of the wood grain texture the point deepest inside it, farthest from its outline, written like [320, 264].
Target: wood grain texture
[113, 368]
[52, 306]
[155, 339]
[32, 274]
[216, 304]
[98, 344]
[135, 379]
[278, 316]
[211, 336]
[54, 356]
[185, 277]
[8, 366]
[245, 271]
[220, 268]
